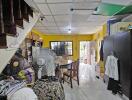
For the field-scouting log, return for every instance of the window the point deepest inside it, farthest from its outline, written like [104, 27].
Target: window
[61, 47]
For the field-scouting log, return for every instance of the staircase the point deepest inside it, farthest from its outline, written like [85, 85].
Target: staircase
[16, 20]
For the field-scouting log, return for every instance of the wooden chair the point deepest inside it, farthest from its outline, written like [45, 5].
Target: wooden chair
[72, 73]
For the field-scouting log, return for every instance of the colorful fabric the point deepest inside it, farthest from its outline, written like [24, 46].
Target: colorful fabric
[27, 74]
[49, 89]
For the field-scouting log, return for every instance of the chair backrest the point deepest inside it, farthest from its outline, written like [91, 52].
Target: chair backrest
[74, 68]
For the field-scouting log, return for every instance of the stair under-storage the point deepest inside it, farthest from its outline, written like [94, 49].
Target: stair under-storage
[16, 20]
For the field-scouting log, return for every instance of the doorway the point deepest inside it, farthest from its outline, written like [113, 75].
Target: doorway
[87, 51]
[87, 62]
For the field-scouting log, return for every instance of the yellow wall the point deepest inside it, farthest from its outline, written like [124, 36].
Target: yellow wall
[75, 38]
[99, 37]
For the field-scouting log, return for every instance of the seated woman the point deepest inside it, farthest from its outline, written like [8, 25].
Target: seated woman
[48, 86]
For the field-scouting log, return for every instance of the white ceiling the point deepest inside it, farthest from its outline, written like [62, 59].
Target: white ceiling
[59, 18]
[118, 2]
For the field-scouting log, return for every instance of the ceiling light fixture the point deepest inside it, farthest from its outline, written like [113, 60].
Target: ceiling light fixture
[41, 38]
[79, 9]
[42, 18]
[72, 9]
[69, 31]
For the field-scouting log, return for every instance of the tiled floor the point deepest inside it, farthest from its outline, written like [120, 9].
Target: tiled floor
[91, 91]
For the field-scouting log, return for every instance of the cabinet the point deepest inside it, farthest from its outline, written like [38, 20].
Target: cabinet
[121, 44]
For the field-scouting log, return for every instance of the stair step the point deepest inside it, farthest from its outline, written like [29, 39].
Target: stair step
[18, 13]
[24, 8]
[26, 18]
[10, 29]
[30, 11]
[9, 23]
[19, 23]
[1, 19]
[3, 41]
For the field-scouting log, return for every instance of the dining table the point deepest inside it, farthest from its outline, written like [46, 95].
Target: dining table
[64, 68]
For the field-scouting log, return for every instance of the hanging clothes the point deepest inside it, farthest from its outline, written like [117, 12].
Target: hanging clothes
[101, 51]
[114, 86]
[111, 67]
[112, 71]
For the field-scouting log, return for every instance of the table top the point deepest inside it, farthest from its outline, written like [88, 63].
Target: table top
[65, 65]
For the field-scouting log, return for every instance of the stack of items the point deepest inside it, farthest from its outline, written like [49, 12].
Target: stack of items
[9, 87]
[20, 69]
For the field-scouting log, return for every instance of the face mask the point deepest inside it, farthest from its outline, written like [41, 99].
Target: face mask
[15, 64]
